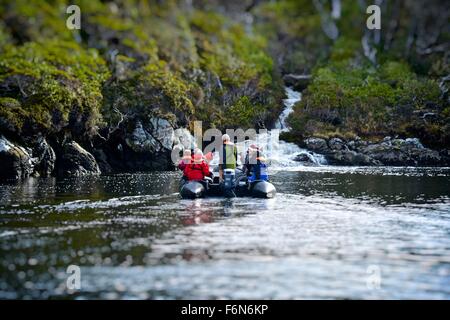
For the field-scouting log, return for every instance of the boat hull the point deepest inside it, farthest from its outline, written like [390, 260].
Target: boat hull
[257, 189]
[262, 189]
[192, 190]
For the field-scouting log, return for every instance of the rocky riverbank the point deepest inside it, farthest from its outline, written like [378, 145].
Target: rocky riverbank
[388, 152]
[149, 145]
[134, 146]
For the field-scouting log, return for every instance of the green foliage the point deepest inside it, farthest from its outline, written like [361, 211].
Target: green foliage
[4, 37]
[54, 78]
[12, 114]
[344, 49]
[362, 100]
[155, 57]
[396, 73]
[349, 94]
[149, 57]
[34, 20]
[242, 112]
[153, 89]
[227, 51]
[293, 30]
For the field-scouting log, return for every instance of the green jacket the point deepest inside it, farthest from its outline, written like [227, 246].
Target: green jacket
[229, 156]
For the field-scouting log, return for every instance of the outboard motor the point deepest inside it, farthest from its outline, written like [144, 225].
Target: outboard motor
[229, 182]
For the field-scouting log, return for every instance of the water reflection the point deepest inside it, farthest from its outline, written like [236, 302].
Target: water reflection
[383, 189]
[135, 238]
[196, 213]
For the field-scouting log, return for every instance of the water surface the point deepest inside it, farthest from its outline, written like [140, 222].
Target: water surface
[331, 232]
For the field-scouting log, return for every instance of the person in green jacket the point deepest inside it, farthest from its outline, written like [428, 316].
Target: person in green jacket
[229, 155]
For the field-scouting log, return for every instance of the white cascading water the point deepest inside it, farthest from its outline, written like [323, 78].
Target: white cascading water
[292, 98]
[280, 154]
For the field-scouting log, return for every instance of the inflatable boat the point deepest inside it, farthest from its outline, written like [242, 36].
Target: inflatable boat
[233, 186]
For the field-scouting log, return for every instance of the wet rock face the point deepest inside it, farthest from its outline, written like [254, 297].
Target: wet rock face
[336, 144]
[306, 159]
[140, 140]
[392, 152]
[146, 147]
[318, 145]
[163, 132]
[16, 162]
[75, 161]
[45, 158]
[155, 136]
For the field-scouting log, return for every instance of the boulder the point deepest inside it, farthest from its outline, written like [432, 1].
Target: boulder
[75, 161]
[156, 136]
[402, 152]
[45, 158]
[140, 140]
[357, 144]
[318, 145]
[102, 160]
[427, 157]
[147, 147]
[393, 157]
[298, 81]
[336, 144]
[305, 157]
[183, 139]
[414, 142]
[16, 161]
[390, 151]
[351, 158]
[163, 132]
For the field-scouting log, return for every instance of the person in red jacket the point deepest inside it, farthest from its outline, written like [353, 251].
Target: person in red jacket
[198, 169]
[187, 158]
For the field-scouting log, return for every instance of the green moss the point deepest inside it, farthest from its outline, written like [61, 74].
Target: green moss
[395, 73]
[112, 23]
[344, 49]
[12, 114]
[227, 51]
[208, 22]
[55, 78]
[241, 114]
[175, 41]
[36, 20]
[174, 89]
[5, 38]
[153, 89]
[366, 101]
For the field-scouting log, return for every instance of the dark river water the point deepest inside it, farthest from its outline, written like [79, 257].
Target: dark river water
[331, 232]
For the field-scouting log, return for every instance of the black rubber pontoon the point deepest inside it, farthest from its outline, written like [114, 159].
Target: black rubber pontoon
[192, 190]
[262, 189]
[212, 187]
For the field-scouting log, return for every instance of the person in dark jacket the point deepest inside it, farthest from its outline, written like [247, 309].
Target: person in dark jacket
[255, 166]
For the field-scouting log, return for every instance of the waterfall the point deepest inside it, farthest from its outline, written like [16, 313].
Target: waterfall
[284, 154]
[281, 155]
[292, 98]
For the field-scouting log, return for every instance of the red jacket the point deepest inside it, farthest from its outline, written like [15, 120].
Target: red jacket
[182, 164]
[196, 171]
